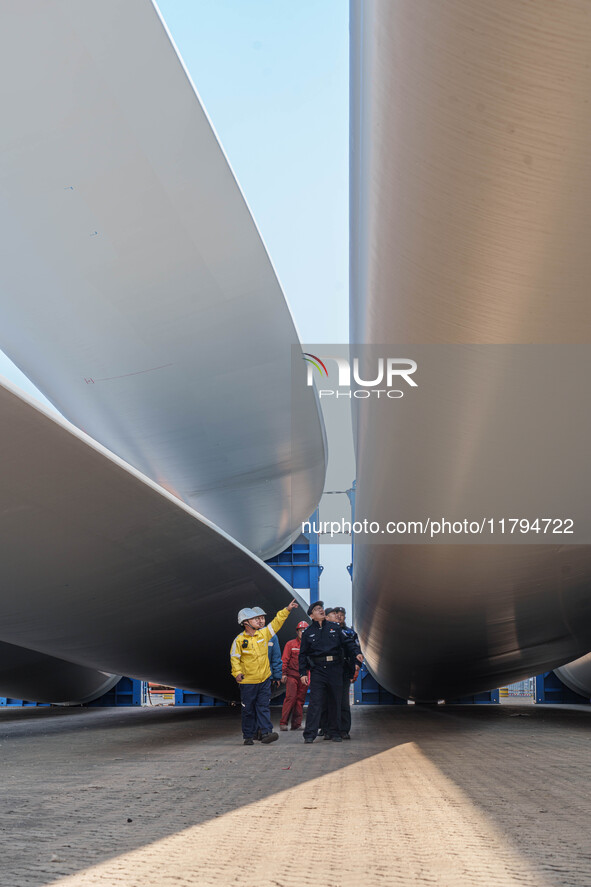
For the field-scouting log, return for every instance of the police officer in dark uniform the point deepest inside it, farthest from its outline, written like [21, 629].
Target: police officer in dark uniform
[322, 650]
[350, 672]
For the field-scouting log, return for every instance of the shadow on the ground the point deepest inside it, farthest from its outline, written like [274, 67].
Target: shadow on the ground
[528, 769]
[167, 769]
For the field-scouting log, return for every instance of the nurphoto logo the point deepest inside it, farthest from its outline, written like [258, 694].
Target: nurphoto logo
[388, 371]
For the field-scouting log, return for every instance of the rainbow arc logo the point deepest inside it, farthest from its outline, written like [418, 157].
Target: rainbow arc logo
[316, 362]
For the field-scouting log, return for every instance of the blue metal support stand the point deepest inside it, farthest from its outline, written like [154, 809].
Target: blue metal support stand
[550, 689]
[487, 697]
[299, 564]
[187, 697]
[127, 692]
[367, 691]
[8, 702]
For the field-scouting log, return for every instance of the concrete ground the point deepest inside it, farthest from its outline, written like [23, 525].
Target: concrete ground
[465, 795]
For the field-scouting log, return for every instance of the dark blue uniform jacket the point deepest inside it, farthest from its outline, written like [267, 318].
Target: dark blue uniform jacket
[323, 639]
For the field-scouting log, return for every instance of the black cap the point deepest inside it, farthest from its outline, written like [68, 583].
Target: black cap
[328, 610]
[314, 604]
[340, 610]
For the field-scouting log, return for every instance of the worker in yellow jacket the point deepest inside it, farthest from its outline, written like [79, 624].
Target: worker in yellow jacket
[249, 659]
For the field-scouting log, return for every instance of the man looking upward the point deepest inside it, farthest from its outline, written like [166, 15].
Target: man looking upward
[322, 650]
[350, 673]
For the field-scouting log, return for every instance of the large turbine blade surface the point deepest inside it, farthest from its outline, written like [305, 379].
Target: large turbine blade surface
[27, 674]
[471, 221]
[577, 675]
[135, 290]
[103, 568]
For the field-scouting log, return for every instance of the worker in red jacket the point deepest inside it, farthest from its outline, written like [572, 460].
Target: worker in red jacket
[295, 691]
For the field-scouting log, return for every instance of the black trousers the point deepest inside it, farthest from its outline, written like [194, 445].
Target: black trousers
[345, 722]
[326, 686]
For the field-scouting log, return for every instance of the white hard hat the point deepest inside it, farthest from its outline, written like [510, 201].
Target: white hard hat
[259, 611]
[246, 613]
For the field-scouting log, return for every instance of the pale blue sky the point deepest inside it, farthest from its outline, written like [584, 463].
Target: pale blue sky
[273, 76]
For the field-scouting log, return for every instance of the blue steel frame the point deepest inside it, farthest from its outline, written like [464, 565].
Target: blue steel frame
[550, 689]
[299, 564]
[187, 697]
[128, 691]
[487, 697]
[9, 702]
[367, 691]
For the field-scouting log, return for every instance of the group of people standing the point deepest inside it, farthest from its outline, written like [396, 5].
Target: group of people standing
[324, 657]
